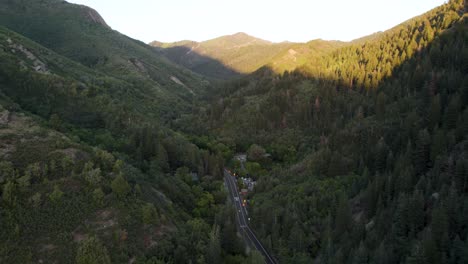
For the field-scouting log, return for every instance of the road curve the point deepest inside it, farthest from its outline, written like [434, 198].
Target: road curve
[242, 218]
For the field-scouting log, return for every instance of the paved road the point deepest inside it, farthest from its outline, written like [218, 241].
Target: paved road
[242, 218]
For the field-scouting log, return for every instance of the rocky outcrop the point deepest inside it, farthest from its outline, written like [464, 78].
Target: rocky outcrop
[38, 65]
[93, 16]
[4, 117]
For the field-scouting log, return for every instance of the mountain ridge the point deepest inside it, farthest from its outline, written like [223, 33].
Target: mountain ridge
[230, 56]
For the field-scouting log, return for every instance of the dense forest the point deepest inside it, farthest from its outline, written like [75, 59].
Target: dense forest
[368, 147]
[90, 170]
[112, 153]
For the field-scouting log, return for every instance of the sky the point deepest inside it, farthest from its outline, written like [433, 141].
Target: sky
[273, 20]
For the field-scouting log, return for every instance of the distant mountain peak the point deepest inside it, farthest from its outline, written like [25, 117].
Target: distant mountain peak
[237, 40]
[242, 34]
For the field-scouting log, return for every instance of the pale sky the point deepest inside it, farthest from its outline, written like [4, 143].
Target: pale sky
[292, 20]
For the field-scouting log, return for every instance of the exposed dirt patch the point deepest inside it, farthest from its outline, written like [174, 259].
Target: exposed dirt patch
[4, 117]
[48, 247]
[38, 65]
[155, 233]
[105, 224]
[104, 214]
[74, 154]
[78, 237]
[104, 219]
[139, 65]
[179, 82]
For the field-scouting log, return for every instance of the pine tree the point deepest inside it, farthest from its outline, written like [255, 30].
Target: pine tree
[343, 216]
[422, 153]
[255, 257]
[439, 144]
[431, 254]
[213, 255]
[381, 156]
[434, 116]
[361, 256]
[120, 187]
[98, 197]
[439, 226]
[7, 171]
[380, 106]
[400, 227]
[417, 255]
[92, 251]
[416, 212]
[296, 238]
[461, 175]
[451, 113]
[149, 214]
[162, 159]
[56, 195]
[9, 193]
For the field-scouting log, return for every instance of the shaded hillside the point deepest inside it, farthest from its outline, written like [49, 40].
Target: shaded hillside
[80, 34]
[368, 147]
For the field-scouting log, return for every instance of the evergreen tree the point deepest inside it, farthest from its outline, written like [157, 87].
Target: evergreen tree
[416, 256]
[92, 251]
[149, 214]
[461, 175]
[98, 197]
[361, 255]
[255, 257]
[213, 255]
[56, 195]
[422, 153]
[162, 159]
[120, 187]
[9, 193]
[343, 216]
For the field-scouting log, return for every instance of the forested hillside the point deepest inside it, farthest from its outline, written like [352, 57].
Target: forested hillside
[80, 34]
[90, 170]
[368, 147]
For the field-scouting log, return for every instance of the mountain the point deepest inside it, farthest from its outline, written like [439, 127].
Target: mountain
[360, 155]
[223, 57]
[80, 34]
[234, 55]
[90, 169]
[113, 151]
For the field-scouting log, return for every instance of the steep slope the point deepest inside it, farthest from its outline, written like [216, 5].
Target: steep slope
[79, 33]
[368, 147]
[64, 201]
[90, 171]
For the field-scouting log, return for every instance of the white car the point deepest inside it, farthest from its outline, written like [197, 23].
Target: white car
[236, 199]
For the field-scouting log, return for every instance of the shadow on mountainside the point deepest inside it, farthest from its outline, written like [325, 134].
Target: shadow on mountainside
[258, 107]
[392, 130]
[198, 63]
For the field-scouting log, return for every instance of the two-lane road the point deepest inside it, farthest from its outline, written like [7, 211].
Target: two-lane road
[242, 218]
